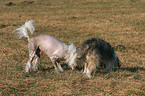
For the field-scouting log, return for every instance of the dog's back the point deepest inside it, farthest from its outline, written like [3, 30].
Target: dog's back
[98, 45]
[48, 44]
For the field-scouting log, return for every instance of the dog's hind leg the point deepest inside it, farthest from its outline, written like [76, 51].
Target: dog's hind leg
[35, 61]
[28, 65]
[109, 66]
[36, 58]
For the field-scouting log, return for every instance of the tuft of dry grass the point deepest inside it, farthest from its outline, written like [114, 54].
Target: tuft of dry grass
[119, 22]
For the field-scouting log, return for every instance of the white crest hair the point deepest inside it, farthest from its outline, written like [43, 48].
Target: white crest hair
[71, 55]
[22, 31]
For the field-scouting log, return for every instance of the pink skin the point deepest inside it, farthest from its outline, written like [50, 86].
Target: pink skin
[50, 45]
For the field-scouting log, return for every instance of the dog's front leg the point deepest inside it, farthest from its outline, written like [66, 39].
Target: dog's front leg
[72, 67]
[59, 66]
[53, 62]
[85, 67]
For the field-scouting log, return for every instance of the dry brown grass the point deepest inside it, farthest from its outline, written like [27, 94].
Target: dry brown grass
[120, 22]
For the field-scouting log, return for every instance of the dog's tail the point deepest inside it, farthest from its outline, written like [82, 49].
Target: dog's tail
[22, 31]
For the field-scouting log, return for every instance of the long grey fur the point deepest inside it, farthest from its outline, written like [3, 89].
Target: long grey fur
[96, 52]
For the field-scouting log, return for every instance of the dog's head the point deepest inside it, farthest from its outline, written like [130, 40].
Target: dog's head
[71, 56]
[81, 55]
[82, 50]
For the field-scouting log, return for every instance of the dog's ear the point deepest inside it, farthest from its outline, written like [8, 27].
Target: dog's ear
[85, 48]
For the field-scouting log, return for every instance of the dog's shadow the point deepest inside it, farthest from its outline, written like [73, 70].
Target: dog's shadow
[49, 69]
[132, 69]
[45, 69]
[78, 68]
[41, 70]
[66, 67]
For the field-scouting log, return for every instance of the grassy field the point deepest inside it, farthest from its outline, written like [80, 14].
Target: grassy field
[119, 22]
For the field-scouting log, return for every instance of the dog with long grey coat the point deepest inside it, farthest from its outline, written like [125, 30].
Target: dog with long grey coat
[54, 48]
[97, 53]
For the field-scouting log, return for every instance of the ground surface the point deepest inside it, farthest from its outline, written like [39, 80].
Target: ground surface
[119, 22]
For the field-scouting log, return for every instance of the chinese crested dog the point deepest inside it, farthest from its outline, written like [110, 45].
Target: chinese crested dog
[54, 48]
[96, 52]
